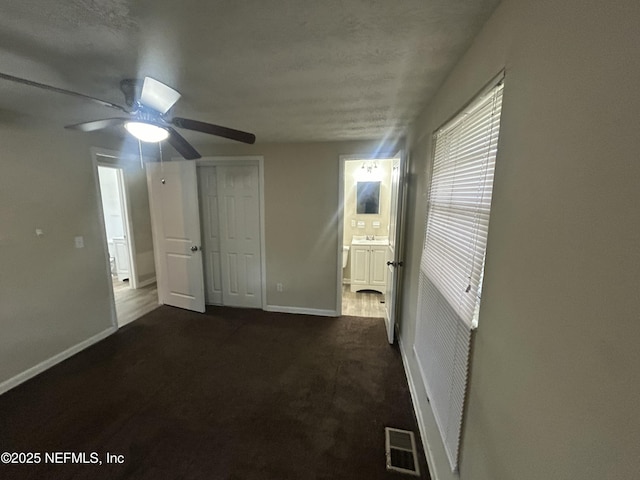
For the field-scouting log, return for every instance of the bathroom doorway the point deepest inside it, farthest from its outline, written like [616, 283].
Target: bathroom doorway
[121, 185]
[370, 197]
[116, 224]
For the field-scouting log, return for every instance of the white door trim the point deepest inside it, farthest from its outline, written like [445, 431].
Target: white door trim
[213, 161]
[125, 209]
[103, 236]
[401, 229]
[97, 152]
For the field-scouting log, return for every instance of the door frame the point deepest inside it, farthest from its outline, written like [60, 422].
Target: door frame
[392, 153]
[125, 206]
[96, 154]
[227, 160]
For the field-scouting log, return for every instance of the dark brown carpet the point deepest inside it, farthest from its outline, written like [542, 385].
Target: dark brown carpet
[232, 394]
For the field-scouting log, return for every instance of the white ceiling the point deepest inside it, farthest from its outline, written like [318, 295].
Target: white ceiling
[286, 70]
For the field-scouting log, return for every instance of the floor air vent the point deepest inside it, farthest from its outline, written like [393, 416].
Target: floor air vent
[401, 451]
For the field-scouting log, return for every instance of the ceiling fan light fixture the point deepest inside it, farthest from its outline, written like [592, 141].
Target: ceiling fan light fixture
[147, 132]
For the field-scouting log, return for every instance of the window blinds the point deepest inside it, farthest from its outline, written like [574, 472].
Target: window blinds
[452, 264]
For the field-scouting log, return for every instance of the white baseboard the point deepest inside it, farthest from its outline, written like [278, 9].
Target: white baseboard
[301, 311]
[148, 281]
[42, 366]
[418, 411]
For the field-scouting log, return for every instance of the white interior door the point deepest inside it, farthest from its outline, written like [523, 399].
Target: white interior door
[173, 198]
[239, 215]
[393, 253]
[210, 222]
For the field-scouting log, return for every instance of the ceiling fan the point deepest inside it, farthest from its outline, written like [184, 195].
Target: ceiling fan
[146, 118]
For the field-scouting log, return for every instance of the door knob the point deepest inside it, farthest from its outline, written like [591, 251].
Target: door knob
[395, 264]
[194, 248]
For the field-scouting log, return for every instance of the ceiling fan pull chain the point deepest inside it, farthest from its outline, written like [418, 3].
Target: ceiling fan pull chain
[161, 161]
[140, 152]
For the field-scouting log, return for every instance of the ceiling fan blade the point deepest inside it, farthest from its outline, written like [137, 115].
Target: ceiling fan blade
[157, 95]
[97, 124]
[217, 130]
[183, 147]
[43, 86]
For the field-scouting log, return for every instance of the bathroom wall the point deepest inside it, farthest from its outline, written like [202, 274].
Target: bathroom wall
[353, 172]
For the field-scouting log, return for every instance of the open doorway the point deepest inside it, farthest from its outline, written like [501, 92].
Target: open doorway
[367, 202]
[134, 288]
[116, 225]
[370, 197]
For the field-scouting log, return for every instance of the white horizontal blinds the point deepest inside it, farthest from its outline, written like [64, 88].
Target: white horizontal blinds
[452, 261]
[459, 203]
[442, 349]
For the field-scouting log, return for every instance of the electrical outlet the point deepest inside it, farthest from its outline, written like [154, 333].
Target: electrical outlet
[79, 241]
[279, 287]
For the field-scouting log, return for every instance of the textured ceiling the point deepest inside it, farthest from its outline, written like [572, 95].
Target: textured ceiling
[286, 70]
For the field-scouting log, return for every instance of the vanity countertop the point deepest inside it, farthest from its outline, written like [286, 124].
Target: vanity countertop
[363, 240]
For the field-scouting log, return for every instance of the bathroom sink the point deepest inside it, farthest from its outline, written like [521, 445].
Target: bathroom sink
[371, 240]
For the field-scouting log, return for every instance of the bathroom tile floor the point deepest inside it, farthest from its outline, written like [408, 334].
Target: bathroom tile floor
[366, 303]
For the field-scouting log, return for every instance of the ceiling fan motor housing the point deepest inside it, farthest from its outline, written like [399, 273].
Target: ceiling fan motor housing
[130, 88]
[148, 115]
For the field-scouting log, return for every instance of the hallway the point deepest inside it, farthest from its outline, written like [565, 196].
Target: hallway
[132, 304]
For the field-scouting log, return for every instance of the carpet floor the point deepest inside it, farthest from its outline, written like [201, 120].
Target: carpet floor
[231, 394]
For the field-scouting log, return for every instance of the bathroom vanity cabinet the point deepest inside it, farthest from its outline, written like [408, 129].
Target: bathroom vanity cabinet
[369, 265]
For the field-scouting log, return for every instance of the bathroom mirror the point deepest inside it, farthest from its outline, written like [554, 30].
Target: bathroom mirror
[368, 197]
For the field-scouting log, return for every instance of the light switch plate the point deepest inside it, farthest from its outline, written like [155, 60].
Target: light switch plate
[79, 241]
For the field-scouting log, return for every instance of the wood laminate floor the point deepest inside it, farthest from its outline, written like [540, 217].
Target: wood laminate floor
[132, 304]
[366, 303]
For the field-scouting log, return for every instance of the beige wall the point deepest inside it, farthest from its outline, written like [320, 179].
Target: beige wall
[553, 390]
[301, 217]
[52, 295]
